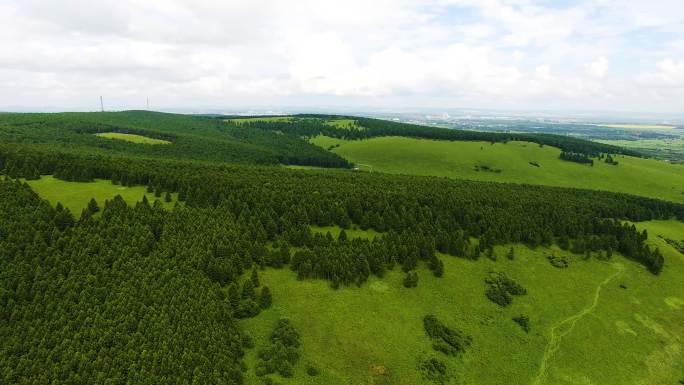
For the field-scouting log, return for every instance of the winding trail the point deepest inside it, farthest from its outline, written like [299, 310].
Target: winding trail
[557, 337]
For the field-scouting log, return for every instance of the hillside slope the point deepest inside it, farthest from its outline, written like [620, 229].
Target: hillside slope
[509, 162]
[190, 137]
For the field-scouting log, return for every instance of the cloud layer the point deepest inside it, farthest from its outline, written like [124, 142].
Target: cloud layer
[499, 54]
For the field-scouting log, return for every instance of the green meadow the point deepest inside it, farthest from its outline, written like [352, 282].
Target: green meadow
[510, 162]
[343, 123]
[669, 149]
[594, 322]
[76, 195]
[132, 138]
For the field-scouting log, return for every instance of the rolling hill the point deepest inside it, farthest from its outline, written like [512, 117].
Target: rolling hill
[464, 257]
[511, 162]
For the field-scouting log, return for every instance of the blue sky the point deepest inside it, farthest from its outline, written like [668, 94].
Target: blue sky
[499, 54]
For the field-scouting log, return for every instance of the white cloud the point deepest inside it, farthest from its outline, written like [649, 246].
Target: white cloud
[598, 68]
[669, 74]
[484, 53]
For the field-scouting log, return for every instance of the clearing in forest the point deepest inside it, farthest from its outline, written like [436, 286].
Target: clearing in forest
[132, 138]
[76, 195]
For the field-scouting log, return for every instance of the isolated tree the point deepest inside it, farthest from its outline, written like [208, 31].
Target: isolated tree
[167, 197]
[343, 236]
[265, 298]
[438, 271]
[411, 279]
[490, 253]
[511, 254]
[92, 206]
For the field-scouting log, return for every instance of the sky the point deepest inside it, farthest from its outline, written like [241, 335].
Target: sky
[608, 55]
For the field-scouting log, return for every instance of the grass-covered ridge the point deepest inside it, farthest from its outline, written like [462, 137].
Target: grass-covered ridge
[518, 162]
[365, 128]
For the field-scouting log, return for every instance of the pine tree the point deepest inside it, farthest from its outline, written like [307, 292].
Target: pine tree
[511, 254]
[265, 298]
[411, 279]
[233, 296]
[490, 253]
[438, 271]
[92, 206]
[254, 277]
[167, 197]
[343, 236]
[248, 290]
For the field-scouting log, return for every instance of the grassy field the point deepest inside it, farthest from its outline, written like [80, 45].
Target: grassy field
[670, 149]
[398, 155]
[585, 328]
[132, 138]
[343, 123]
[76, 195]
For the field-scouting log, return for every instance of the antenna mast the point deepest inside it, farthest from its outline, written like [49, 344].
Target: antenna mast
[148, 103]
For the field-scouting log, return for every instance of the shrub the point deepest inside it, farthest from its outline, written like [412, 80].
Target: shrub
[444, 339]
[523, 321]
[500, 289]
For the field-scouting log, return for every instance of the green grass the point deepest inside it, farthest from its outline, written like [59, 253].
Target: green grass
[298, 167]
[343, 123]
[132, 138]
[398, 155]
[76, 195]
[630, 336]
[670, 149]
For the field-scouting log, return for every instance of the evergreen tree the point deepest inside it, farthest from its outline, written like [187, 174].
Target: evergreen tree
[167, 197]
[92, 206]
[254, 277]
[265, 298]
[411, 279]
[233, 295]
[511, 254]
[248, 290]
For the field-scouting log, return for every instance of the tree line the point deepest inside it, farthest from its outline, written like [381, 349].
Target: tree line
[365, 128]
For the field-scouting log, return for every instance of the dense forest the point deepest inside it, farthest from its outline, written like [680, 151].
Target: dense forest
[137, 295]
[191, 138]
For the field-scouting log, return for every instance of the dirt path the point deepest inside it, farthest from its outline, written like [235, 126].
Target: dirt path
[557, 337]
